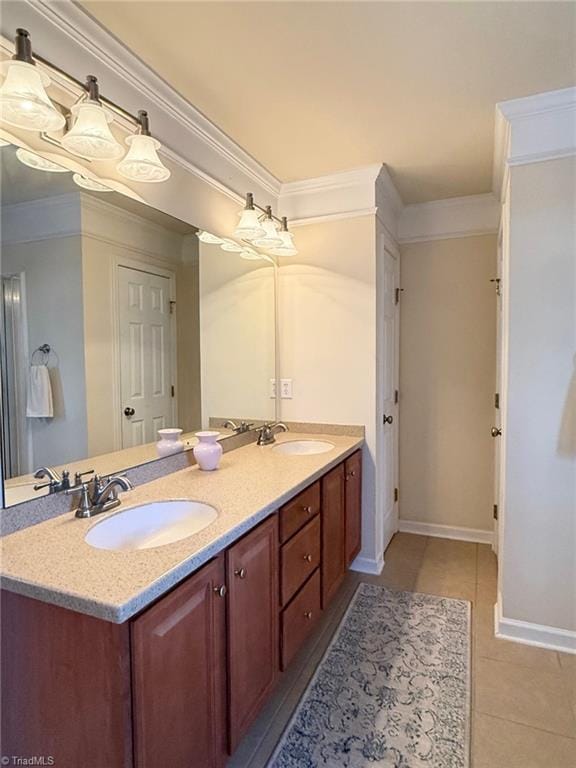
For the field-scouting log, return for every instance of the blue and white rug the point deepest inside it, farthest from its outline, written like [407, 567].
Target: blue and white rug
[392, 691]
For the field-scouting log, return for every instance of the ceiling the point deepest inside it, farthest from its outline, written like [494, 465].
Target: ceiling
[311, 88]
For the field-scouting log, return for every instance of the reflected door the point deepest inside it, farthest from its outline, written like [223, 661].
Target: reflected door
[146, 376]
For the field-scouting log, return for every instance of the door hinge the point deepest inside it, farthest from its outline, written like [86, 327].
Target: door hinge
[495, 511]
[171, 304]
[396, 395]
[172, 391]
[396, 494]
[397, 293]
[497, 400]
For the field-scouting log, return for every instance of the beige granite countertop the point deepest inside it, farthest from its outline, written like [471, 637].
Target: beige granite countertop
[52, 562]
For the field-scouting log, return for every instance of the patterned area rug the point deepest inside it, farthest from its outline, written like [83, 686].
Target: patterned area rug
[393, 689]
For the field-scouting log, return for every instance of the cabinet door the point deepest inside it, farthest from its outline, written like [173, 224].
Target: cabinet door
[333, 532]
[252, 566]
[353, 470]
[179, 676]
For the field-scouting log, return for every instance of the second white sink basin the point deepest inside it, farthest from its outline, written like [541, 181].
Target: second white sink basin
[303, 447]
[151, 525]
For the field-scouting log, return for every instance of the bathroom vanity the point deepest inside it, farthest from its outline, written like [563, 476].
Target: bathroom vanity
[165, 656]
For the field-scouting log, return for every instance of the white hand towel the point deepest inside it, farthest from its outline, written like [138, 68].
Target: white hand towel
[39, 393]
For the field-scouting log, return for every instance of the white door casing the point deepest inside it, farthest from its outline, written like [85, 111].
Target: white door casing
[146, 358]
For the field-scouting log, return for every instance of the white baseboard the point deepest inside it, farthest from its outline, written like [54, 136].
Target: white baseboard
[368, 565]
[538, 635]
[446, 531]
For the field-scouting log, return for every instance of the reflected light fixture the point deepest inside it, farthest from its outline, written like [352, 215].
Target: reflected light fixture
[142, 162]
[23, 98]
[37, 162]
[208, 238]
[231, 246]
[270, 238]
[250, 255]
[249, 226]
[86, 183]
[90, 135]
[287, 248]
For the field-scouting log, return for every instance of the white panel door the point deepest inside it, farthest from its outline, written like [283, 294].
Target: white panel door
[388, 396]
[145, 355]
[497, 428]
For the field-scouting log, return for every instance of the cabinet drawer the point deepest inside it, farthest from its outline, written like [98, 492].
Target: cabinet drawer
[299, 557]
[299, 618]
[297, 512]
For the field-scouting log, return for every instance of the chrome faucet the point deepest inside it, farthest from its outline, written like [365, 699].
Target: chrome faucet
[55, 482]
[238, 428]
[102, 497]
[266, 433]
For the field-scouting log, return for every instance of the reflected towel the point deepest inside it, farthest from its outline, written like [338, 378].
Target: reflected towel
[39, 393]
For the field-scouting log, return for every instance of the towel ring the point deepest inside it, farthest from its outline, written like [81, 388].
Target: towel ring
[44, 350]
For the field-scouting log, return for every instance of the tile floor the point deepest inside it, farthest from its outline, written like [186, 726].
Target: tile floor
[523, 698]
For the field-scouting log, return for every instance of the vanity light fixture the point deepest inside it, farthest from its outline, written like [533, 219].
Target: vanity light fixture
[250, 254]
[23, 98]
[231, 246]
[142, 162]
[249, 226]
[25, 104]
[37, 162]
[86, 183]
[287, 248]
[270, 238]
[90, 135]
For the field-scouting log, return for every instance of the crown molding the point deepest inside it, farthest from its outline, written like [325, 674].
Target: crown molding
[450, 218]
[44, 219]
[66, 35]
[533, 129]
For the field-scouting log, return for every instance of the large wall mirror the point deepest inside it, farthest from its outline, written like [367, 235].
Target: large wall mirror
[116, 321]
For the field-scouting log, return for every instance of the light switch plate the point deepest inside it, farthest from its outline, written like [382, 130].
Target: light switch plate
[286, 389]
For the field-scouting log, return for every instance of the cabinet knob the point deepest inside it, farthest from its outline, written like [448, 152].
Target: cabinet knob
[495, 432]
[240, 572]
[221, 590]
[307, 509]
[308, 614]
[308, 558]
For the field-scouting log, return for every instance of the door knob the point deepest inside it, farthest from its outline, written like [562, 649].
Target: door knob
[129, 411]
[495, 432]
[388, 419]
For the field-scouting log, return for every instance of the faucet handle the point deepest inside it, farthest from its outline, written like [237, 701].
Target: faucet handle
[84, 508]
[79, 475]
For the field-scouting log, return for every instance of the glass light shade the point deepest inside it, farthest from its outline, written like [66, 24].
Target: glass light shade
[249, 226]
[142, 162]
[287, 248]
[90, 135]
[271, 237]
[231, 246]
[23, 98]
[39, 163]
[209, 238]
[86, 183]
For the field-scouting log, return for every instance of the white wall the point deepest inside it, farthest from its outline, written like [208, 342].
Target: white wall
[237, 335]
[327, 317]
[53, 276]
[447, 382]
[538, 545]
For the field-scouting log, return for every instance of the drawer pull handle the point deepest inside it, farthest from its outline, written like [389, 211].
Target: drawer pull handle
[221, 591]
[307, 509]
[308, 614]
[308, 558]
[240, 572]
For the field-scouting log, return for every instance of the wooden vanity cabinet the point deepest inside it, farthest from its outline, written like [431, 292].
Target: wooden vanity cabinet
[353, 479]
[252, 568]
[333, 532]
[179, 675]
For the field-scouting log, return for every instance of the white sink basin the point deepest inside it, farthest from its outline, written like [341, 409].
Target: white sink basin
[303, 447]
[151, 525]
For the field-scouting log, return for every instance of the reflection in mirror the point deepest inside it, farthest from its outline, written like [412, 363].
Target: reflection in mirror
[117, 322]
